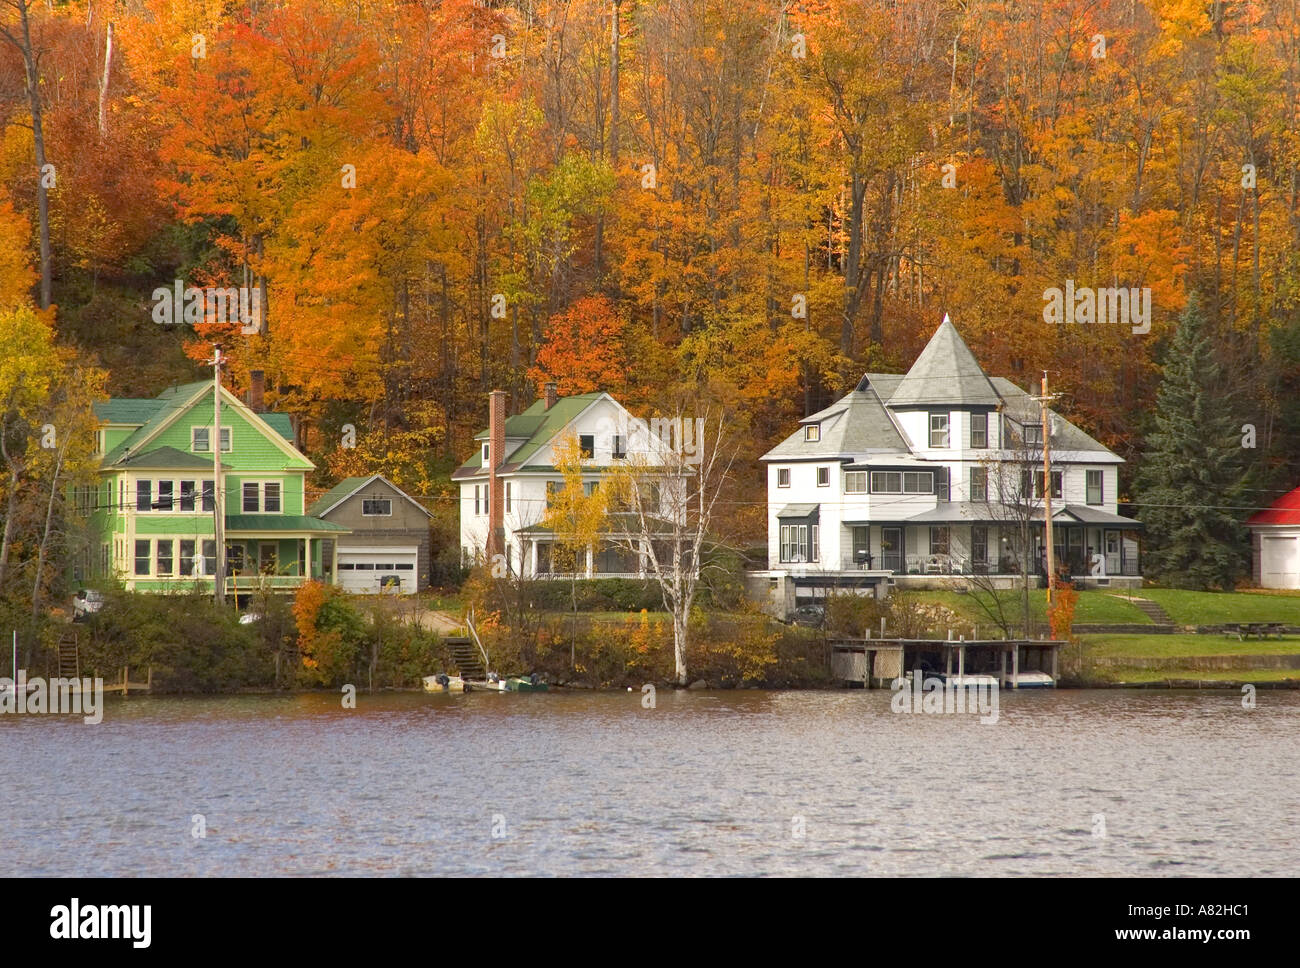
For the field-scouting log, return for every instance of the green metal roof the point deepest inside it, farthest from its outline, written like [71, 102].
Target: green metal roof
[281, 522]
[336, 493]
[168, 458]
[126, 410]
[537, 425]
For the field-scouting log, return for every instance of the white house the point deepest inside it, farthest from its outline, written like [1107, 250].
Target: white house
[931, 473]
[504, 500]
[1275, 542]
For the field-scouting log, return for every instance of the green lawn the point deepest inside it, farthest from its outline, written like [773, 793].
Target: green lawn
[1164, 646]
[1093, 606]
[1120, 674]
[1215, 608]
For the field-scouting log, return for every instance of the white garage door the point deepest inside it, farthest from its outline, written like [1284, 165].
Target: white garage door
[366, 570]
[1280, 562]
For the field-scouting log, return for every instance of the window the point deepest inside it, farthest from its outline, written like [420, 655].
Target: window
[164, 502]
[507, 497]
[979, 430]
[226, 445]
[823, 477]
[187, 557]
[485, 454]
[902, 482]
[552, 489]
[187, 495]
[812, 433]
[164, 557]
[271, 497]
[618, 447]
[979, 483]
[477, 512]
[209, 499]
[794, 542]
[209, 557]
[252, 503]
[143, 495]
[653, 507]
[381, 507]
[783, 477]
[587, 444]
[886, 482]
[1094, 487]
[1038, 483]
[202, 440]
[1034, 434]
[142, 557]
[938, 430]
[855, 482]
[99, 441]
[589, 488]
[813, 555]
[939, 540]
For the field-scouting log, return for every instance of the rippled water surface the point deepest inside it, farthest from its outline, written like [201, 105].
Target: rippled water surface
[1188, 783]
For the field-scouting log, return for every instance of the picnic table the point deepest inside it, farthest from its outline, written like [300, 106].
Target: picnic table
[1259, 630]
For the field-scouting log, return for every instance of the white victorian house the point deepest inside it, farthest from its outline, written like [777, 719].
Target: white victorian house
[938, 472]
[509, 482]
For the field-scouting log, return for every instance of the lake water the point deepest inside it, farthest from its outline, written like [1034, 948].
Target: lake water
[717, 783]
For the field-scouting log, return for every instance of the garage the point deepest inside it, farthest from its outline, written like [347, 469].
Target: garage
[368, 570]
[1280, 561]
[1275, 542]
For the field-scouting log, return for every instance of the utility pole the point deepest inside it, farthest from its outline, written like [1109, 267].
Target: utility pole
[218, 503]
[1043, 400]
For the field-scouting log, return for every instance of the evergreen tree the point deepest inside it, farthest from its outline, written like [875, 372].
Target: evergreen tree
[1192, 482]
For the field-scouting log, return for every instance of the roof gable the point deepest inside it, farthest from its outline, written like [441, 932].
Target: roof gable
[537, 426]
[348, 487]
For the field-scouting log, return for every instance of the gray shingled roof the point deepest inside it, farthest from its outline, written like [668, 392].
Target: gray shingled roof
[856, 424]
[946, 373]
[1020, 406]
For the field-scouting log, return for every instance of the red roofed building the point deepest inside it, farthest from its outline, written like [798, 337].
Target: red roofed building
[1275, 542]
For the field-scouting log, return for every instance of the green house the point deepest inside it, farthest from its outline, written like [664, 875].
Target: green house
[151, 514]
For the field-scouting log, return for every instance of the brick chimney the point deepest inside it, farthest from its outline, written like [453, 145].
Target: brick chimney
[256, 390]
[551, 394]
[496, 543]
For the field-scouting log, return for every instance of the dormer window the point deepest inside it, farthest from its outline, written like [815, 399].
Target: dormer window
[812, 433]
[485, 454]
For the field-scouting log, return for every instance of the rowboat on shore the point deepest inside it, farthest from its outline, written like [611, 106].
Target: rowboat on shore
[445, 683]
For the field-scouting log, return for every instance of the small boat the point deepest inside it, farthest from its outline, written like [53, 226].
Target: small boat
[521, 684]
[1030, 680]
[445, 683]
[493, 683]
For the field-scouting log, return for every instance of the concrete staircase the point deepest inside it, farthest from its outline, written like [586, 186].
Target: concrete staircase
[1152, 610]
[467, 658]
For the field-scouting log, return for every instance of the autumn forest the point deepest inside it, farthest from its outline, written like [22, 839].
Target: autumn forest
[755, 200]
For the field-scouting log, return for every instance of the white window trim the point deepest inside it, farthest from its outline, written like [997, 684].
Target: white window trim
[261, 495]
[812, 433]
[823, 472]
[363, 507]
[786, 472]
[947, 430]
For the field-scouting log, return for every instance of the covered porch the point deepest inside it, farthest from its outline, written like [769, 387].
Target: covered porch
[279, 553]
[1090, 546]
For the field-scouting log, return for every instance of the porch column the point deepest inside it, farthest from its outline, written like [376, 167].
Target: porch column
[306, 570]
[334, 564]
[961, 660]
[1015, 666]
[1002, 676]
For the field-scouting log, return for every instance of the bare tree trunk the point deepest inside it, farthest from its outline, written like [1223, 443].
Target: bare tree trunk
[103, 84]
[24, 46]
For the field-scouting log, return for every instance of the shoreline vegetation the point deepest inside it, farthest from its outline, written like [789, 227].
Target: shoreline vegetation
[322, 640]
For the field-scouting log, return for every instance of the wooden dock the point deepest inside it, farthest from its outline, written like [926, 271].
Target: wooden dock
[126, 686]
[875, 663]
